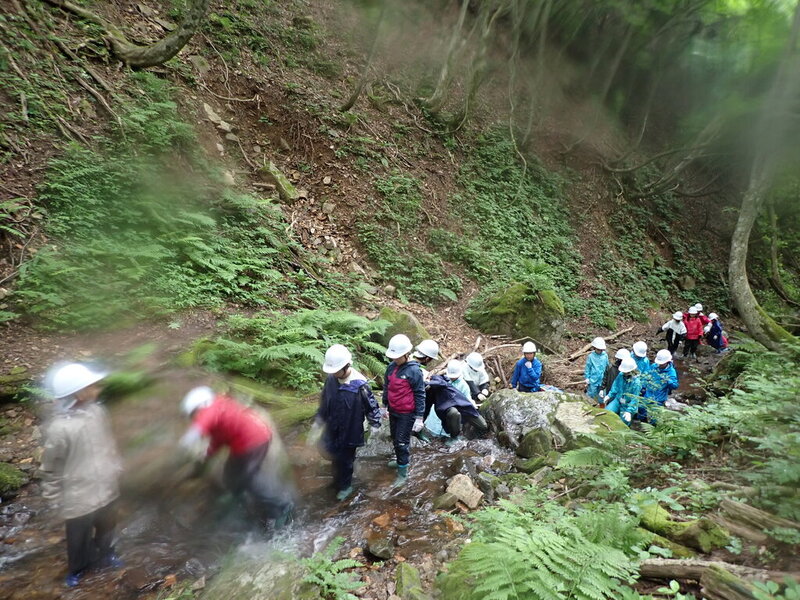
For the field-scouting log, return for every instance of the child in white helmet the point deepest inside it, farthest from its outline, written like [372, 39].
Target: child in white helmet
[611, 373]
[345, 402]
[626, 393]
[527, 371]
[80, 469]
[476, 377]
[676, 331]
[455, 372]
[595, 370]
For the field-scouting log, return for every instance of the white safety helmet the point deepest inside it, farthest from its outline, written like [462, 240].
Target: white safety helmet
[663, 357]
[337, 357]
[627, 365]
[399, 346]
[622, 354]
[678, 316]
[713, 316]
[640, 349]
[475, 360]
[427, 348]
[528, 347]
[197, 398]
[74, 377]
[692, 310]
[699, 307]
[454, 369]
[599, 343]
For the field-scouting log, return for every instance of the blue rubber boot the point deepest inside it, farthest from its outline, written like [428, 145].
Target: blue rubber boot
[402, 476]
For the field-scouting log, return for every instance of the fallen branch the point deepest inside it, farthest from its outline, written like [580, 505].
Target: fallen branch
[588, 347]
[694, 569]
[754, 517]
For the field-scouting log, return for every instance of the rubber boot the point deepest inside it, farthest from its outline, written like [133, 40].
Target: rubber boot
[392, 464]
[286, 517]
[452, 441]
[402, 476]
[344, 494]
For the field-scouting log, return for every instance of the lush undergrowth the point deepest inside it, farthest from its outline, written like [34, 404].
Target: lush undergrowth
[141, 226]
[749, 439]
[288, 350]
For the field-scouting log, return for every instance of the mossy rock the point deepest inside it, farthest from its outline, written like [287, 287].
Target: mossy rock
[678, 550]
[536, 442]
[402, 321]
[194, 355]
[701, 534]
[531, 465]
[11, 479]
[123, 383]
[575, 423]
[408, 583]
[286, 191]
[723, 379]
[519, 311]
[11, 383]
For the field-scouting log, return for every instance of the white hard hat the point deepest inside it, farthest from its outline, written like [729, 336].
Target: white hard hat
[663, 357]
[337, 357]
[678, 316]
[428, 348]
[627, 365]
[692, 310]
[599, 343]
[72, 378]
[640, 349]
[623, 353]
[528, 347]
[198, 397]
[399, 346]
[454, 369]
[713, 316]
[475, 360]
[699, 307]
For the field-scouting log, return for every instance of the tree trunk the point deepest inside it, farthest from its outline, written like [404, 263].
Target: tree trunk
[144, 56]
[694, 569]
[754, 517]
[768, 150]
[436, 101]
[362, 80]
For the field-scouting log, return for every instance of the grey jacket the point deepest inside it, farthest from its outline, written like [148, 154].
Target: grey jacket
[80, 464]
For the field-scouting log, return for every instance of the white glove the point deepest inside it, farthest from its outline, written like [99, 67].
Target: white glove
[314, 434]
[587, 381]
[418, 425]
[482, 396]
[601, 394]
[707, 328]
[627, 417]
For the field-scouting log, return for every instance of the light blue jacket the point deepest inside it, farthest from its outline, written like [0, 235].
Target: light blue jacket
[660, 382]
[461, 386]
[642, 363]
[596, 365]
[627, 389]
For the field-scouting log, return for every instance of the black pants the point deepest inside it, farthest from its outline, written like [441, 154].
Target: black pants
[243, 474]
[400, 429]
[453, 419]
[673, 341]
[474, 390]
[90, 537]
[343, 459]
[690, 346]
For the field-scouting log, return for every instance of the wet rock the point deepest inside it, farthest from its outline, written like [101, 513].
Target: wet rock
[513, 414]
[487, 483]
[408, 583]
[521, 311]
[445, 502]
[379, 544]
[465, 490]
[535, 443]
[402, 321]
[285, 188]
[531, 465]
[246, 578]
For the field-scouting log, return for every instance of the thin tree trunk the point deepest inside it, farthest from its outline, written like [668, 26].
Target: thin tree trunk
[144, 56]
[362, 80]
[436, 101]
[612, 73]
[773, 137]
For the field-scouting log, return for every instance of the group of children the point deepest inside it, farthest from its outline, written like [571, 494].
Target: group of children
[690, 327]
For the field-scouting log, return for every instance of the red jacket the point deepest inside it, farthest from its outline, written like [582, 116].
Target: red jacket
[694, 327]
[228, 423]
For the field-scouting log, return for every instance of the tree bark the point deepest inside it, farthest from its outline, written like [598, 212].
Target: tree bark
[694, 569]
[754, 517]
[141, 57]
[768, 149]
[436, 101]
[362, 80]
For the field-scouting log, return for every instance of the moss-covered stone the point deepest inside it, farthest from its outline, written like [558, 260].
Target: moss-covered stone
[286, 191]
[723, 379]
[536, 442]
[402, 321]
[11, 383]
[408, 583]
[194, 355]
[519, 311]
[531, 465]
[122, 383]
[678, 550]
[575, 421]
[11, 479]
[701, 534]
[445, 502]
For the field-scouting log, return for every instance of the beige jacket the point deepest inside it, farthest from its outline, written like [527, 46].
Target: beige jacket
[80, 463]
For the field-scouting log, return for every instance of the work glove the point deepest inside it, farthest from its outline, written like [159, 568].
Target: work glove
[601, 394]
[482, 396]
[314, 434]
[626, 416]
[418, 424]
[586, 381]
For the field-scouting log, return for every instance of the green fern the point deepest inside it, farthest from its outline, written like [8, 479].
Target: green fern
[332, 577]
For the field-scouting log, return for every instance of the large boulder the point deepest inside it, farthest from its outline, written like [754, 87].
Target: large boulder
[520, 311]
[402, 321]
[514, 415]
[575, 422]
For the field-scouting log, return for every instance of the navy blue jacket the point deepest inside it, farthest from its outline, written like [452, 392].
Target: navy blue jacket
[404, 388]
[342, 408]
[446, 396]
